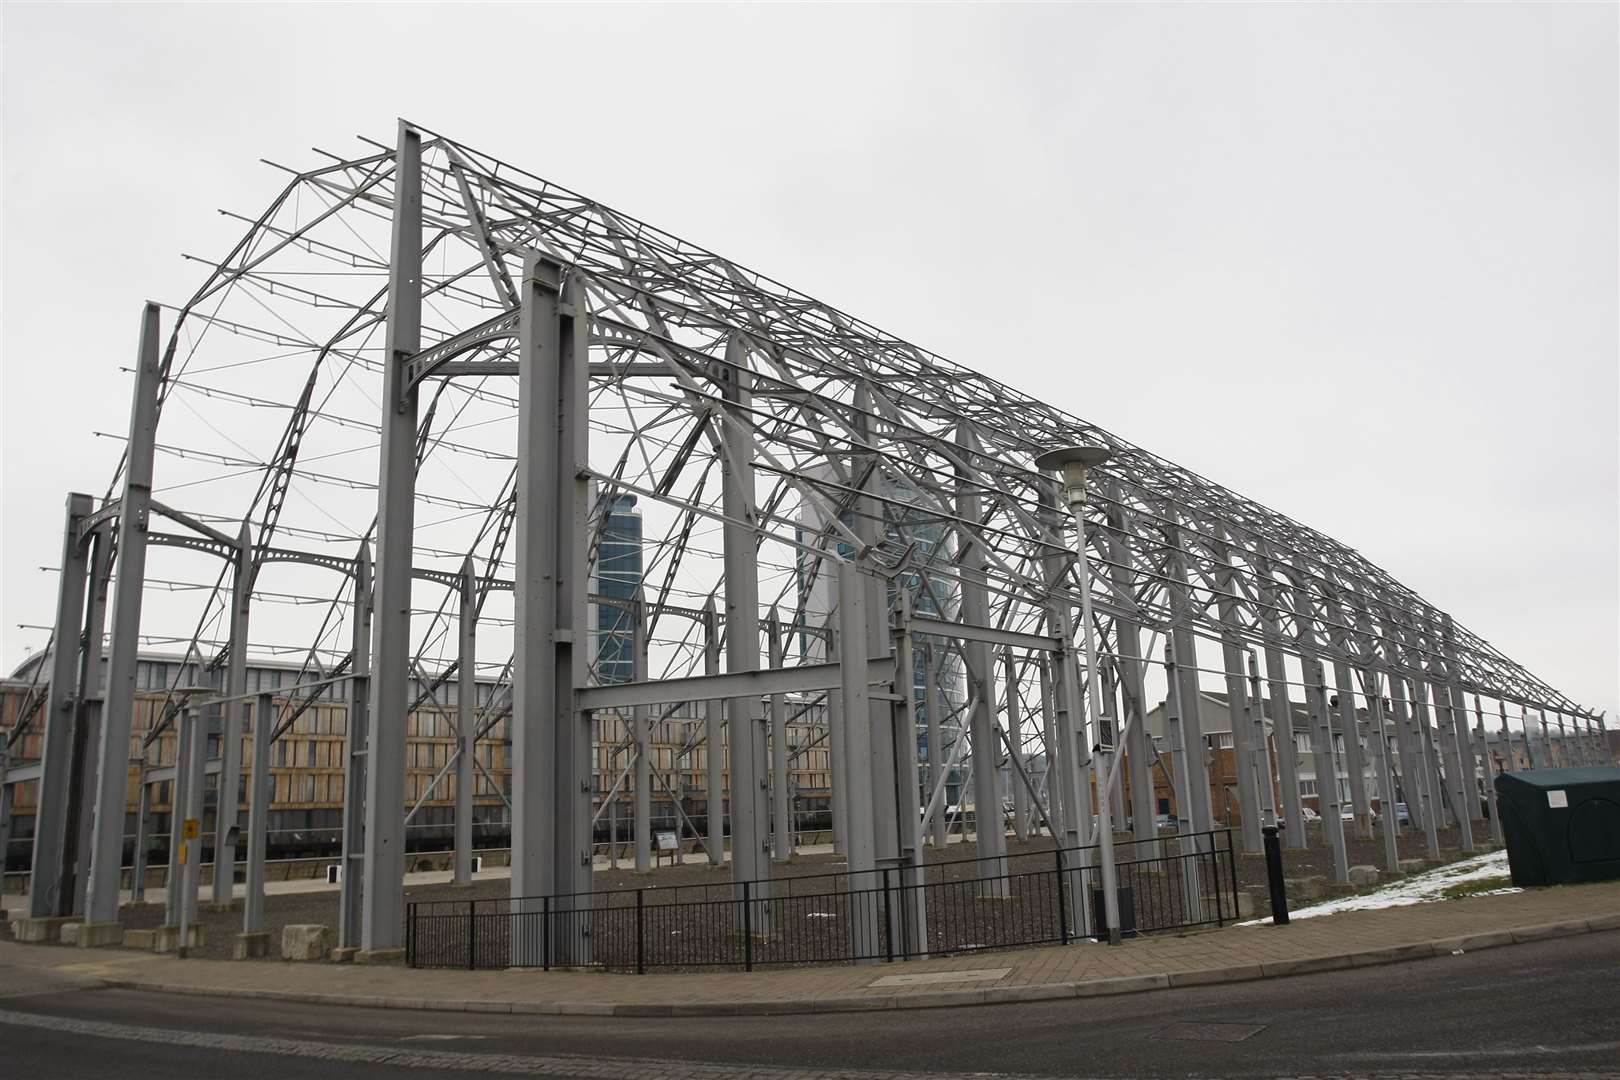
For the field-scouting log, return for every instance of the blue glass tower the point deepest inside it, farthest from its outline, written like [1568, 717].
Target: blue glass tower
[618, 575]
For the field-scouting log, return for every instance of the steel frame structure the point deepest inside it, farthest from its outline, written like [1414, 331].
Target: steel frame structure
[468, 362]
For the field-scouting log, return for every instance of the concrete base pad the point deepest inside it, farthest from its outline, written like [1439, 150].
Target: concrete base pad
[251, 946]
[379, 956]
[140, 939]
[231, 905]
[96, 935]
[42, 930]
[344, 955]
[168, 938]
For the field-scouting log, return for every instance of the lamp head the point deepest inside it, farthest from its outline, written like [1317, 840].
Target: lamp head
[1072, 462]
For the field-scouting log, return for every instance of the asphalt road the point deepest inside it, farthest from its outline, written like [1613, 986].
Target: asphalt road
[1547, 1009]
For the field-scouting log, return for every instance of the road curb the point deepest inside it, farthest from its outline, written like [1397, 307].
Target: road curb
[933, 999]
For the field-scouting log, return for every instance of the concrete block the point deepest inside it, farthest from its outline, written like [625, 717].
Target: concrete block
[140, 939]
[255, 946]
[1363, 876]
[228, 906]
[70, 933]
[1312, 887]
[1413, 866]
[306, 941]
[344, 955]
[39, 931]
[379, 956]
[96, 935]
[168, 938]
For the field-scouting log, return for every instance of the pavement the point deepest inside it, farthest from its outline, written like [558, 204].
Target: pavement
[1235, 954]
[1536, 1010]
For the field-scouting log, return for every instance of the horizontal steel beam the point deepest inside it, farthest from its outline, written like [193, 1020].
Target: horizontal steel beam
[989, 634]
[791, 680]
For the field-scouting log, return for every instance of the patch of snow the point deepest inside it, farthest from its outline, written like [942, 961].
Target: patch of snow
[1425, 888]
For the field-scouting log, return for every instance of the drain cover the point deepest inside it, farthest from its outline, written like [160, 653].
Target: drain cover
[1211, 1032]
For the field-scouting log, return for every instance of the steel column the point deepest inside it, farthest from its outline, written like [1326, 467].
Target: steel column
[1237, 705]
[1327, 773]
[46, 896]
[118, 715]
[641, 737]
[1200, 807]
[259, 784]
[781, 800]
[356, 731]
[989, 826]
[1015, 743]
[937, 767]
[1285, 746]
[551, 743]
[714, 743]
[466, 719]
[1133, 694]
[861, 858]
[382, 907]
[228, 806]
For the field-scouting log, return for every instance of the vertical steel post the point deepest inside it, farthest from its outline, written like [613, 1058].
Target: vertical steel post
[356, 729]
[196, 736]
[1237, 704]
[1285, 746]
[179, 804]
[1259, 759]
[713, 743]
[143, 815]
[781, 800]
[987, 807]
[1065, 776]
[871, 525]
[641, 736]
[87, 727]
[1182, 778]
[228, 806]
[1327, 773]
[837, 756]
[551, 742]
[1484, 750]
[466, 719]
[1328, 789]
[937, 761]
[861, 858]
[1349, 725]
[1139, 758]
[1196, 759]
[46, 898]
[118, 715]
[909, 917]
[1015, 741]
[382, 907]
[1508, 764]
[259, 781]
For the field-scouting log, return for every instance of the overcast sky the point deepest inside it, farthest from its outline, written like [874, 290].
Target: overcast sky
[1356, 262]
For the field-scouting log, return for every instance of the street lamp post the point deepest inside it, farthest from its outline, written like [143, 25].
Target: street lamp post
[1072, 462]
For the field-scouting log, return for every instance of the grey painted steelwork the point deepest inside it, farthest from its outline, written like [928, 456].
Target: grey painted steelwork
[781, 796]
[46, 897]
[226, 809]
[117, 719]
[785, 445]
[260, 783]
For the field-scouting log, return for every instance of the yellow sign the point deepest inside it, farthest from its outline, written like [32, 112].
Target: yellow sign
[189, 830]
[184, 848]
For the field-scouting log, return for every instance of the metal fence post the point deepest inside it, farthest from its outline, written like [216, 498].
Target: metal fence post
[641, 938]
[410, 908]
[545, 933]
[748, 927]
[1231, 862]
[472, 934]
[1062, 901]
[888, 924]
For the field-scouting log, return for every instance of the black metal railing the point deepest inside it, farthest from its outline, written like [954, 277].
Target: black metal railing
[888, 913]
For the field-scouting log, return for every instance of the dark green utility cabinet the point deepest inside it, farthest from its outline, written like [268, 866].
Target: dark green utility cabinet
[1561, 825]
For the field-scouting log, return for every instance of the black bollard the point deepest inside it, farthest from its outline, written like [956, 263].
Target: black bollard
[1274, 877]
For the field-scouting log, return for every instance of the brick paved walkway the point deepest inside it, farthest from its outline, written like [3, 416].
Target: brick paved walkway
[1233, 954]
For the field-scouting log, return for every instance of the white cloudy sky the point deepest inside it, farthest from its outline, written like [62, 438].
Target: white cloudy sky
[1356, 261]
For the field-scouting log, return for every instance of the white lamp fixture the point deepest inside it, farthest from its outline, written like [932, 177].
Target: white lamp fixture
[1072, 462]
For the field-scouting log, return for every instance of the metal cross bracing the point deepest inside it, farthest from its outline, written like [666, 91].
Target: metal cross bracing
[424, 365]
